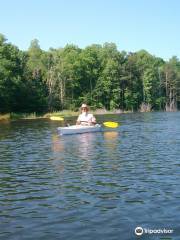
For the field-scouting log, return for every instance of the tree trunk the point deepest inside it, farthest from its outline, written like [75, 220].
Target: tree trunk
[62, 89]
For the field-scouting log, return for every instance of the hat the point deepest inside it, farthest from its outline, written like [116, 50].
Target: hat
[85, 106]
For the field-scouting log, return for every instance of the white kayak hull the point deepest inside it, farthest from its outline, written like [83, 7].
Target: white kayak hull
[77, 129]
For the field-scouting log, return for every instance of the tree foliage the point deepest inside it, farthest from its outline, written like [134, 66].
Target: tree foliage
[40, 81]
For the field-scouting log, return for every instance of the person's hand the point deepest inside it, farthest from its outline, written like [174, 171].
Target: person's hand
[90, 122]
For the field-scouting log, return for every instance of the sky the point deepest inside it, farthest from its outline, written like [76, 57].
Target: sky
[132, 25]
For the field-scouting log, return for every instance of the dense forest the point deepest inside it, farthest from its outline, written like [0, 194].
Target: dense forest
[44, 81]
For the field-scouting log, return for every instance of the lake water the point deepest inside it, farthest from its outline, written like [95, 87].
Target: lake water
[90, 186]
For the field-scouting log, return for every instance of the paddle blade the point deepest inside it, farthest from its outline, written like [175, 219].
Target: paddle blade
[56, 118]
[111, 124]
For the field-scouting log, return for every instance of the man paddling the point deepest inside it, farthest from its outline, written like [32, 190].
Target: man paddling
[85, 118]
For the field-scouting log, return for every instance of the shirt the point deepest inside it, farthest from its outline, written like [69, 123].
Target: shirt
[86, 117]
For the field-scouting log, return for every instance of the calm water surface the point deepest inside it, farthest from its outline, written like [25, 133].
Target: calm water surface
[90, 186]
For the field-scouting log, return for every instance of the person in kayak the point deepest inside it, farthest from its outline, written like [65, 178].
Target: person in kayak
[85, 118]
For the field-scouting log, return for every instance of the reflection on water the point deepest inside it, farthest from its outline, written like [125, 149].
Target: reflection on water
[90, 186]
[111, 140]
[57, 145]
[6, 126]
[85, 144]
[111, 135]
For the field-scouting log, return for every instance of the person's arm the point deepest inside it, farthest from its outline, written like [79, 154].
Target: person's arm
[78, 122]
[92, 120]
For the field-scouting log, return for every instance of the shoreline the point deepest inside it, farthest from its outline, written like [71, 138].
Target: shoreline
[5, 117]
[64, 113]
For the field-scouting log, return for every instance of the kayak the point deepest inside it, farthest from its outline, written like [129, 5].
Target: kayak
[76, 129]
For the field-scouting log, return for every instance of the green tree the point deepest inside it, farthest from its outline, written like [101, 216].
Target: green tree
[11, 73]
[171, 81]
[35, 75]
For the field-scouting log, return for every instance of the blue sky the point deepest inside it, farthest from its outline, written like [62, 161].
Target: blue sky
[132, 25]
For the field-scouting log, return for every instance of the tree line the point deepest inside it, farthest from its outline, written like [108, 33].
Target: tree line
[44, 81]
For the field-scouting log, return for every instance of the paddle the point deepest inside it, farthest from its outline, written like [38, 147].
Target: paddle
[111, 124]
[106, 124]
[56, 118]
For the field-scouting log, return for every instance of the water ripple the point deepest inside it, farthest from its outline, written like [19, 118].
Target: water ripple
[90, 186]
